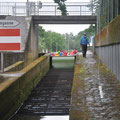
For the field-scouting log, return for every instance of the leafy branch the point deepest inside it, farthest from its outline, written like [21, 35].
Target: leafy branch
[61, 6]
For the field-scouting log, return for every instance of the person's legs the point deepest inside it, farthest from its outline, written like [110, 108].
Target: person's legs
[83, 50]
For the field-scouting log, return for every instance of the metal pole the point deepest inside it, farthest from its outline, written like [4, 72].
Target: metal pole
[2, 62]
[27, 8]
[55, 10]
[56, 47]
[15, 9]
[68, 44]
[80, 10]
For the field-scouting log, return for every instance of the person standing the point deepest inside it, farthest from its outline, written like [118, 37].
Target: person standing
[84, 41]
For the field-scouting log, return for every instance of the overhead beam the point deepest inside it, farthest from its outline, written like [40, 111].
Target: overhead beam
[64, 19]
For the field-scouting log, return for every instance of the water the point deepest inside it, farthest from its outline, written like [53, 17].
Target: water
[25, 117]
[63, 62]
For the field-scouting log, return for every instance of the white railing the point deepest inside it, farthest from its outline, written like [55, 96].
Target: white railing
[35, 8]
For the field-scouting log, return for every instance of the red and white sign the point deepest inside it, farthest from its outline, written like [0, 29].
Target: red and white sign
[10, 40]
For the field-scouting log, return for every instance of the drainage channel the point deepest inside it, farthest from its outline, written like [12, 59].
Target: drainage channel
[51, 98]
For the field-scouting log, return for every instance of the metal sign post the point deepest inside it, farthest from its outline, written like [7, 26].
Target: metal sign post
[2, 62]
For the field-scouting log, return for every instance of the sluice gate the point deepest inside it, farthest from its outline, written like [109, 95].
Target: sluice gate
[53, 93]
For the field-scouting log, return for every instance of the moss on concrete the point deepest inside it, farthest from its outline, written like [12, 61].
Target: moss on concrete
[110, 34]
[15, 67]
[104, 70]
[16, 89]
[78, 109]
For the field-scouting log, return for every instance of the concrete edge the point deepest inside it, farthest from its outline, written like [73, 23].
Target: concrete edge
[77, 102]
[15, 67]
[16, 89]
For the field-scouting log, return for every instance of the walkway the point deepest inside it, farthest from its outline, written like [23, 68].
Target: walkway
[96, 94]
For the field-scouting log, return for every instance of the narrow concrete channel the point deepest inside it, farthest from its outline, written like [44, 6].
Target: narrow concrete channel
[50, 99]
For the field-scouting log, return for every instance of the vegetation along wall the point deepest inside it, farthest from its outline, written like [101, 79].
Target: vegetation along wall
[14, 90]
[107, 44]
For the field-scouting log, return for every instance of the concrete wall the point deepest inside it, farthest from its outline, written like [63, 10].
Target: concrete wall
[11, 58]
[78, 98]
[15, 89]
[31, 48]
[23, 25]
[29, 39]
[15, 67]
[108, 46]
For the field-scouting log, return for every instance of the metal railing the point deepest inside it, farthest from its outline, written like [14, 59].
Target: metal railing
[35, 8]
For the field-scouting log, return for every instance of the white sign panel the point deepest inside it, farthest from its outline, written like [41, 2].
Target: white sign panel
[10, 40]
[8, 23]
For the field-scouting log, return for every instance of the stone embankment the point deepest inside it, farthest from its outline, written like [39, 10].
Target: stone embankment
[95, 93]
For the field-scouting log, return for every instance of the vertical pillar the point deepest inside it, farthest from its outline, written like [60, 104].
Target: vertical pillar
[119, 7]
[111, 9]
[114, 8]
[107, 11]
[2, 62]
[55, 10]
[37, 39]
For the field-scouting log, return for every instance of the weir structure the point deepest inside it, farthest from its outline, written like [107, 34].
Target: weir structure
[29, 15]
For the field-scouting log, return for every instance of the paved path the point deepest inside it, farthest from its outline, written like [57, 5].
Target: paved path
[100, 100]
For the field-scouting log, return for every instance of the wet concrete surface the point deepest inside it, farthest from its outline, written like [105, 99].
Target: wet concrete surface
[97, 95]
[51, 96]
[102, 91]
[50, 99]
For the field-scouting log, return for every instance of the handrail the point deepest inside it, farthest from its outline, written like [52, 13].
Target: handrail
[46, 8]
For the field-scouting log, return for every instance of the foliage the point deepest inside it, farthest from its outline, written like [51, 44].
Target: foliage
[95, 4]
[50, 41]
[106, 10]
[62, 6]
[74, 41]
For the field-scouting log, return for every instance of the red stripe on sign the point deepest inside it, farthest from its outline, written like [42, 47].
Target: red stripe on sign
[9, 32]
[9, 46]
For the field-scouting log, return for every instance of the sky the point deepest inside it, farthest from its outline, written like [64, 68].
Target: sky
[75, 29]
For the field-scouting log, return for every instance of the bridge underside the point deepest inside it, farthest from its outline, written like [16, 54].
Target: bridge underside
[64, 19]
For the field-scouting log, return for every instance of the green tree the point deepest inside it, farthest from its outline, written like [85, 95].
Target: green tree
[74, 41]
[61, 6]
[50, 41]
[106, 11]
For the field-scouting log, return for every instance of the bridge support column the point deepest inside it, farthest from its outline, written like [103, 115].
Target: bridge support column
[31, 51]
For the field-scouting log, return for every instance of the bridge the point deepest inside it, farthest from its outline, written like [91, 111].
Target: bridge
[47, 13]
[45, 8]
[34, 86]
[64, 19]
